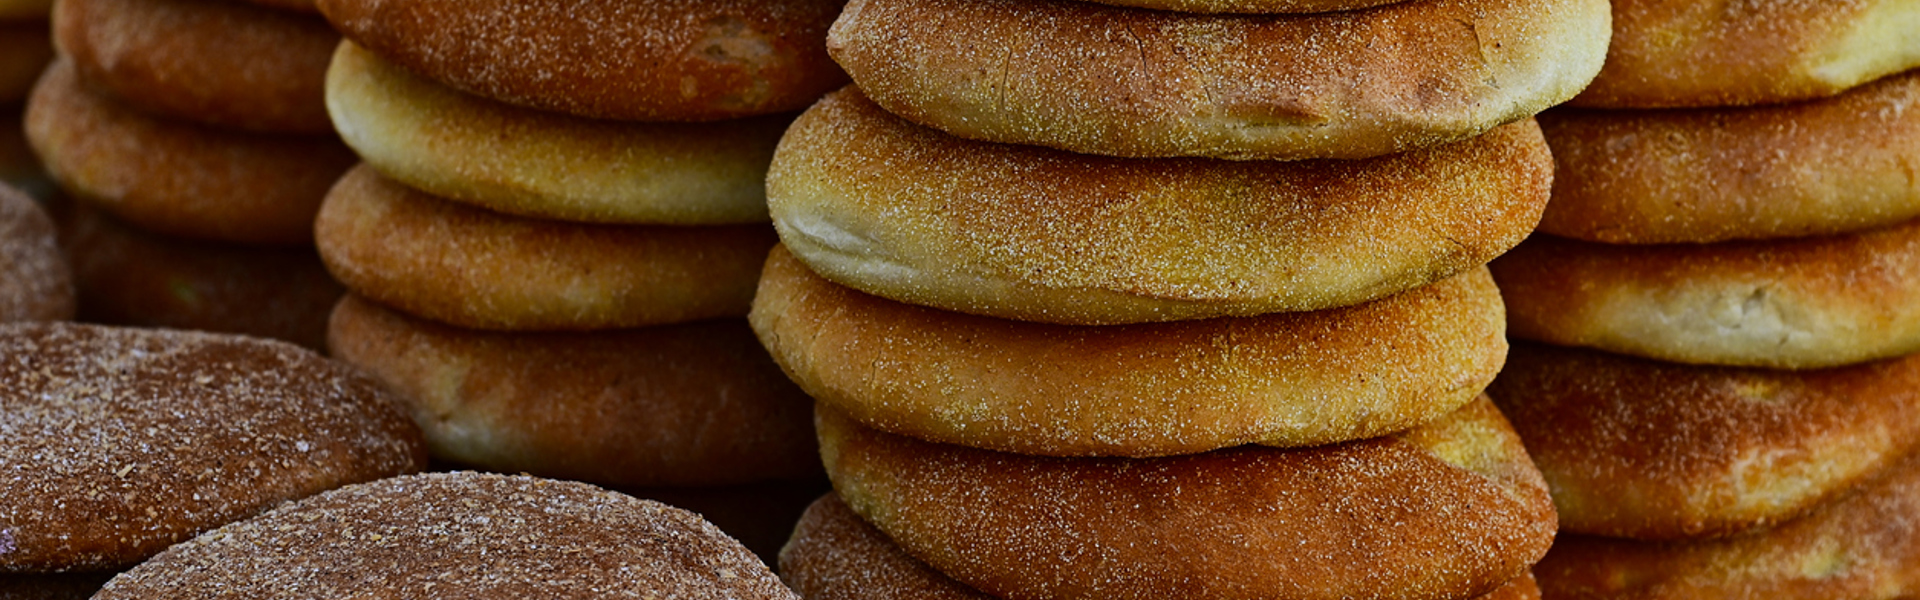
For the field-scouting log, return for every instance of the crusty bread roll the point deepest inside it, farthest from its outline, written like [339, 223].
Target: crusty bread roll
[543, 164]
[1642, 449]
[1451, 509]
[662, 60]
[470, 267]
[36, 283]
[1789, 304]
[179, 178]
[138, 439]
[227, 64]
[1130, 82]
[459, 535]
[1668, 53]
[1292, 379]
[25, 50]
[675, 405]
[874, 202]
[1715, 174]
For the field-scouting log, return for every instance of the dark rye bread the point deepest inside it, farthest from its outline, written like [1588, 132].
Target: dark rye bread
[459, 535]
[122, 442]
[1117, 81]
[662, 60]
[877, 203]
[35, 281]
[475, 268]
[227, 64]
[1156, 389]
[1451, 509]
[180, 178]
[1651, 450]
[836, 556]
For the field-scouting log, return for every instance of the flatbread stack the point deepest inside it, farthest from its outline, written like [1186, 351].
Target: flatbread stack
[1166, 299]
[199, 126]
[1720, 382]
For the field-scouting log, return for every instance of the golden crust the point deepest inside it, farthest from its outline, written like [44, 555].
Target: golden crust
[1293, 379]
[459, 535]
[542, 164]
[1643, 449]
[1452, 509]
[874, 202]
[130, 277]
[180, 432]
[228, 64]
[675, 405]
[1129, 82]
[1709, 175]
[662, 60]
[1671, 53]
[179, 178]
[35, 281]
[469, 267]
[1789, 304]
[1862, 546]
[25, 50]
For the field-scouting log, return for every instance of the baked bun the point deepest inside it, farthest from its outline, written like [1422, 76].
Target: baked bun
[25, 50]
[1863, 545]
[1451, 509]
[35, 281]
[1669, 53]
[677, 405]
[874, 202]
[462, 265]
[1290, 379]
[1643, 449]
[662, 60]
[451, 144]
[1787, 304]
[130, 277]
[1129, 82]
[459, 535]
[179, 432]
[1715, 174]
[179, 178]
[227, 64]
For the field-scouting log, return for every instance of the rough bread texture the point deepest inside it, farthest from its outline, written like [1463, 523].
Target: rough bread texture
[1143, 83]
[459, 535]
[35, 281]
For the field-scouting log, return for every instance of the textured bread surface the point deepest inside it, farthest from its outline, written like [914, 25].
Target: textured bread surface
[36, 283]
[1862, 546]
[1668, 53]
[180, 178]
[536, 163]
[679, 405]
[125, 276]
[25, 50]
[121, 442]
[459, 535]
[227, 64]
[1713, 174]
[874, 202]
[1290, 379]
[664, 60]
[1790, 304]
[1643, 449]
[1451, 509]
[470, 267]
[1130, 82]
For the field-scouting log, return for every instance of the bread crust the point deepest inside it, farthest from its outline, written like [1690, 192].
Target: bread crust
[1802, 303]
[1140, 83]
[550, 165]
[36, 283]
[1452, 509]
[1642, 449]
[1672, 53]
[663, 60]
[469, 267]
[1714, 174]
[874, 202]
